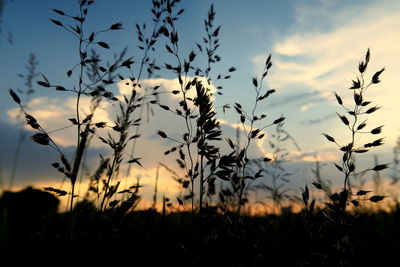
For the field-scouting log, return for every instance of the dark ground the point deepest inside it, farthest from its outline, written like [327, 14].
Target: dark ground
[32, 233]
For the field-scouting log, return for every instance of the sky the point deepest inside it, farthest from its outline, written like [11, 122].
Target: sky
[315, 45]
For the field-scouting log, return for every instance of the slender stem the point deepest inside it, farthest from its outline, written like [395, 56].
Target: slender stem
[1, 180]
[192, 184]
[155, 188]
[140, 115]
[16, 156]
[81, 144]
[110, 176]
[201, 183]
[241, 180]
[144, 97]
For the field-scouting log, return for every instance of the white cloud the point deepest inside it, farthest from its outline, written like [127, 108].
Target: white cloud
[53, 113]
[258, 147]
[324, 48]
[327, 59]
[289, 48]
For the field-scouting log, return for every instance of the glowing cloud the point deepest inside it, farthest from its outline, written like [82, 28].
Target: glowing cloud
[325, 56]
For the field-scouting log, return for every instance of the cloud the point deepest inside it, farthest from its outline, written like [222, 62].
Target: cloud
[326, 58]
[33, 163]
[321, 52]
[306, 98]
[289, 48]
[326, 155]
[53, 113]
[257, 148]
[319, 120]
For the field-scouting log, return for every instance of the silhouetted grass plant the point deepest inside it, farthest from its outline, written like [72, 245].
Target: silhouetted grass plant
[320, 235]
[29, 78]
[199, 156]
[275, 178]
[396, 162]
[75, 25]
[332, 222]
[356, 125]
[199, 152]
[251, 132]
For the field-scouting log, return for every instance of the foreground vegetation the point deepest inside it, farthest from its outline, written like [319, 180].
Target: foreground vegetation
[89, 237]
[103, 228]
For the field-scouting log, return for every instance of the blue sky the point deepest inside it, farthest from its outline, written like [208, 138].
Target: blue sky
[315, 45]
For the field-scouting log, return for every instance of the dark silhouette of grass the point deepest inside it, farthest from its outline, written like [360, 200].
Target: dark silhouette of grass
[359, 113]
[92, 86]
[184, 239]
[103, 230]
[29, 78]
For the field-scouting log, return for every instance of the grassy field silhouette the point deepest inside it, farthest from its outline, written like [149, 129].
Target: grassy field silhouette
[219, 179]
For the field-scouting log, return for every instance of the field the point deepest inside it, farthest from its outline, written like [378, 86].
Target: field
[233, 202]
[88, 237]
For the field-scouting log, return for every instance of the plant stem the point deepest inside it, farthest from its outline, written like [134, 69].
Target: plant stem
[201, 183]
[16, 156]
[155, 188]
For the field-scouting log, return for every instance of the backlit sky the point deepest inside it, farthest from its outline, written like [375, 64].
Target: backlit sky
[316, 46]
